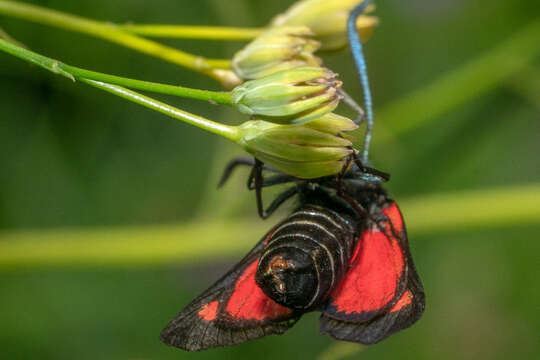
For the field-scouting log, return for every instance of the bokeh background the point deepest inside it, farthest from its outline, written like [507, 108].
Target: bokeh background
[109, 201]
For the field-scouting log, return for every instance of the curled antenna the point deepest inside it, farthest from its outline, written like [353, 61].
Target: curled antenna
[361, 67]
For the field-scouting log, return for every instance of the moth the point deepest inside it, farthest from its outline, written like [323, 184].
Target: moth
[343, 252]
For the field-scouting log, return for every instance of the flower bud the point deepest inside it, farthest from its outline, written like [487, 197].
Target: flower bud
[277, 49]
[300, 151]
[328, 20]
[293, 96]
[333, 124]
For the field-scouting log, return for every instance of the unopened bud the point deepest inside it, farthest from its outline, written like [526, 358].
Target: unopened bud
[296, 150]
[293, 96]
[333, 124]
[328, 20]
[277, 49]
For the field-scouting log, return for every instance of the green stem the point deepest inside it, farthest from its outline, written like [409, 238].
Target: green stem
[192, 32]
[220, 97]
[4, 35]
[78, 73]
[456, 87]
[209, 67]
[527, 84]
[229, 132]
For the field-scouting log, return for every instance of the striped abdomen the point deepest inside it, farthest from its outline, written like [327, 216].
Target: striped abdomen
[305, 257]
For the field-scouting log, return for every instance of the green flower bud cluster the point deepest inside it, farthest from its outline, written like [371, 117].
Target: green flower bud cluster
[308, 151]
[294, 96]
[291, 96]
[328, 20]
[277, 49]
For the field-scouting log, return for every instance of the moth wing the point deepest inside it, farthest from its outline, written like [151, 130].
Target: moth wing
[230, 312]
[403, 314]
[384, 294]
[377, 275]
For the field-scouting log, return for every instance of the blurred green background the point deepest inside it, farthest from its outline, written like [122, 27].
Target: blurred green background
[77, 164]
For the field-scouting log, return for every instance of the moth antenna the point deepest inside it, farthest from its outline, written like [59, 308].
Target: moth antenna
[361, 67]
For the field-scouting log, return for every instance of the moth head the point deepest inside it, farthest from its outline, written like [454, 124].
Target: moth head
[288, 276]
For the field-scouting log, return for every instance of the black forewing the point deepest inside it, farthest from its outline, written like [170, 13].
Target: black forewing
[207, 323]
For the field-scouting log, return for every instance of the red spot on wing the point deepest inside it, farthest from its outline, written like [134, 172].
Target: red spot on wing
[249, 302]
[375, 271]
[208, 311]
[394, 217]
[405, 300]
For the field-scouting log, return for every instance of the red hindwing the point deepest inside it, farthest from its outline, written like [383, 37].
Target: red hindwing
[376, 277]
[381, 293]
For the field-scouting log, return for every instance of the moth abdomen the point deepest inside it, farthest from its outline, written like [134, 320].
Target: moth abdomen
[305, 257]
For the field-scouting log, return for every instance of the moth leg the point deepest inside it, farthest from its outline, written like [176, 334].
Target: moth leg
[342, 173]
[257, 182]
[278, 179]
[345, 202]
[279, 200]
[358, 208]
[240, 161]
[256, 177]
[358, 162]
[368, 173]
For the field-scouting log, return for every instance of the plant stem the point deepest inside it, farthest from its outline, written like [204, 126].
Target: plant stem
[73, 73]
[205, 241]
[527, 84]
[229, 132]
[192, 32]
[209, 67]
[502, 206]
[4, 35]
[463, 84]
[220, 97]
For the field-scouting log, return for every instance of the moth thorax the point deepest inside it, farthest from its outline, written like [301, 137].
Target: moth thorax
[288, 276]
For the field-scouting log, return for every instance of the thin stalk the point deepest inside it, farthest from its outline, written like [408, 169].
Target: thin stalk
[220, 97]
[456, 87]
[229, 132]
[4, 35]
[73, 73]
[210, 67]
[209, 240]
[192, 32]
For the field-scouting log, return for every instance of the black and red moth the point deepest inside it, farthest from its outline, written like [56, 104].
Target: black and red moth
[356, 269]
